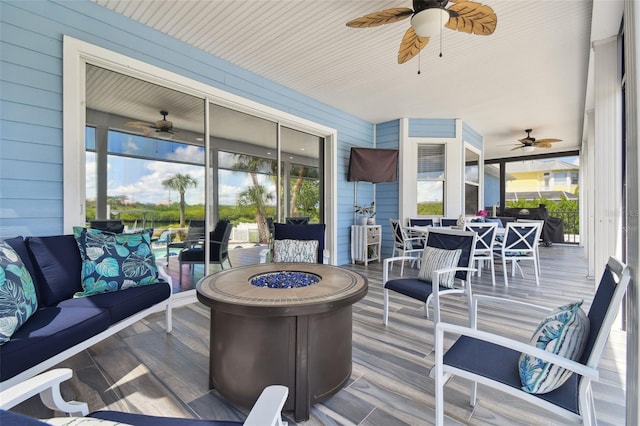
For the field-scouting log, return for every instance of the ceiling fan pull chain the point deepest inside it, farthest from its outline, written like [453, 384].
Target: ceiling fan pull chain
[441, 25]
[419, 56]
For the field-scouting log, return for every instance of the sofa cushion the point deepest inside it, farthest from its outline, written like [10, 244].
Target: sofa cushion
[57, 264]
[18, 300]
[112, 262]
[124, 303]
[48, 332]
[19, 244]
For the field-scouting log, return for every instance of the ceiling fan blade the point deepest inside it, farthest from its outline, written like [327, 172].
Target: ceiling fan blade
[546, 141]
[473, 18]
[411, 45]
[542, 145]
[382, 17]
[517, 148]
[138, 124]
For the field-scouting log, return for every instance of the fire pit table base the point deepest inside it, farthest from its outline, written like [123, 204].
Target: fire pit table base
[297, 337]
[310, 354]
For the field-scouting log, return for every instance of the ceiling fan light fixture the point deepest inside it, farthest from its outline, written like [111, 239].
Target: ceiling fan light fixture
[428, 22]
[528, 148]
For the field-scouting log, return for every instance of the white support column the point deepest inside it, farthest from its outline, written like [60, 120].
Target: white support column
[587, 193]
[632, 96]
[608, 153]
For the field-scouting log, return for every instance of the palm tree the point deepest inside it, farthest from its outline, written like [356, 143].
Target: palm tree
[180, 183]
[256, 195]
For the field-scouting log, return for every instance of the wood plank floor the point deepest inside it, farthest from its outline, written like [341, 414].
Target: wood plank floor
[144, 370]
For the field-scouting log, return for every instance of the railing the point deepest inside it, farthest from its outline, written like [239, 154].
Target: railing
[571, 221]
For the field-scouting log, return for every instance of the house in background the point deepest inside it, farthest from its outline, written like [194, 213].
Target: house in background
[535, 179]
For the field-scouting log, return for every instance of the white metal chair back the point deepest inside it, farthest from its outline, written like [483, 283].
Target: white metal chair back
[486, 236]
[486, 232]
[520, 243]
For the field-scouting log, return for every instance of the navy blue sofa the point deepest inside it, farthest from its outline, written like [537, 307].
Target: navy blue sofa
[63, 326]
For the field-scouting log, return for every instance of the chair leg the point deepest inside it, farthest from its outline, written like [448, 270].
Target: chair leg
[385, 314]
[504, 272]
[493, 272]
[180, 272]
[536, 270]
[426, 305]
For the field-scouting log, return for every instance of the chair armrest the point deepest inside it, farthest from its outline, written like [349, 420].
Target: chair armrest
[386, 262]
[46, 384]
[162, 273]
[325, 256]
[502, 301]
[443, 327]
[267, 411]
[263, 255]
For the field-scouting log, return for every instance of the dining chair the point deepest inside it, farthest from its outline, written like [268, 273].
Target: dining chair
[448, 256]
[297, 220]
[444, 221]
[541, 222]
[218, 249]
[405, 246]
[495, 361]
[195, 235]
[266, 411]
[486, 232]
[420, 221]
[519, 243]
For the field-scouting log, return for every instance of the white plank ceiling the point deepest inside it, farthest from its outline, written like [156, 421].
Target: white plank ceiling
[531, 73]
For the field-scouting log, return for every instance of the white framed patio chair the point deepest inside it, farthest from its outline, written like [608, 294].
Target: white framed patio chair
[492, 360]
[484, 245]
[520, 243]
[541, 222]
[267, 410]
[406, 247]
[425, 290]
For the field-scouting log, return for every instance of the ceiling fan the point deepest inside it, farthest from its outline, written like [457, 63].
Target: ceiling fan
[427, 19]
[529, 143]
[161, 128]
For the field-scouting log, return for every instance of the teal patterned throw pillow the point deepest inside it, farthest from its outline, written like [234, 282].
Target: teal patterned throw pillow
[564, 332]
[113, 262]
[18, 299]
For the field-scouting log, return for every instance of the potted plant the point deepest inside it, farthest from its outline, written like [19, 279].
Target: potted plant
[368, 213]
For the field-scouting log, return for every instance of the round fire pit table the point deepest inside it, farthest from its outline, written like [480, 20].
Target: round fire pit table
[299, 337]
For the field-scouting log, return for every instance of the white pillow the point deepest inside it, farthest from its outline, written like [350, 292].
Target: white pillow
[564, 332]
[297, 251]
[434, 259]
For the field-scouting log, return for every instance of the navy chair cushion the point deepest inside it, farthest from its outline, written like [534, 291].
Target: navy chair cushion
[598, 310]
[58, 264]
[123, 303]
[489, 360]
[412, 287]
[144, 420]
[15, 419]
[48, 332]
[312, 231]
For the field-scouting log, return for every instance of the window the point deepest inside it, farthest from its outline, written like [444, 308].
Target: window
[471, 182]
[431, 180]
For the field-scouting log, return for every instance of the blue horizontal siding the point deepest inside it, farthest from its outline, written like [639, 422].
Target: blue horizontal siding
[432, 128]
[471, 136]
[387, 194]
[31, 142]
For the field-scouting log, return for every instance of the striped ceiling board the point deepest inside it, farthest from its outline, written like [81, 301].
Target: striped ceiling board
[531, 73]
